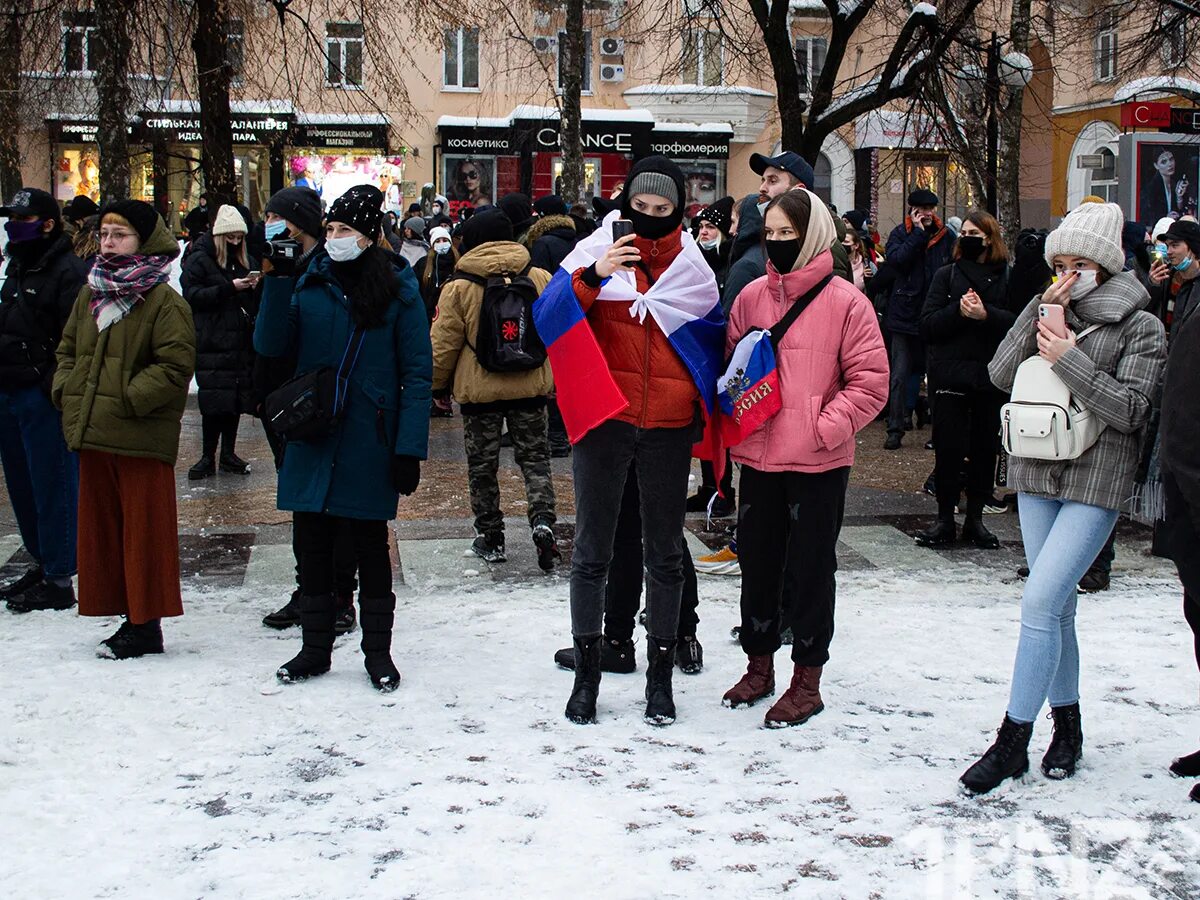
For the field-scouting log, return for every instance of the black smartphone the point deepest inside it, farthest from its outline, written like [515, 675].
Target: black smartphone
[620, 228]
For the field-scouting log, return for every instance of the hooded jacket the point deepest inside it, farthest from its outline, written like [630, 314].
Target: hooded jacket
[1114, 372]
[123, 390]
[914, 254]
[455, 364]
[550, 239]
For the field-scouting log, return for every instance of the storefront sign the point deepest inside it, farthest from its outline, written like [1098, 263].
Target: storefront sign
[373, 135]
[888, 129]
[598, 137]
[477, 141]
[1185, 121]
[1146, 115]
[690, 145]
[247, 129]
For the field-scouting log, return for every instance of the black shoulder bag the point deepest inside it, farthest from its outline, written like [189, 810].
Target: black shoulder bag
[310, 406]
[799, 305]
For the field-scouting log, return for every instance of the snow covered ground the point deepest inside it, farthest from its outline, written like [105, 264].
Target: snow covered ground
[194, 775]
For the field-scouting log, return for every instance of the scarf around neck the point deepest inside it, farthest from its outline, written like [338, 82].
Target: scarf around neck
[119, 283]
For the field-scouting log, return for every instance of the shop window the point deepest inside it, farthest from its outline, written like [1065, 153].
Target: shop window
[1104, 179]
[810, 60]
[460, 58]
[587, 59]
[1105, 46]
[344, 49]
[823, 178]
[469, 181]
[703, 59]
[235, 50]
[79, 30]
[591, 178]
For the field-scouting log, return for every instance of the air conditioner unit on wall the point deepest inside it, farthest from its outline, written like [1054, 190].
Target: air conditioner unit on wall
[545, 43]
[612, 47]
[611, 73]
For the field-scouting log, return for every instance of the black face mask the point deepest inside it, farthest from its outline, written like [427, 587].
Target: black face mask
[971, 246]
[652, 227]
[783, 254]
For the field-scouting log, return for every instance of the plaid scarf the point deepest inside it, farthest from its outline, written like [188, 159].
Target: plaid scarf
[120, 282]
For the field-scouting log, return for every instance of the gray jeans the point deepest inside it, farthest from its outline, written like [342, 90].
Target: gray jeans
[601, 463]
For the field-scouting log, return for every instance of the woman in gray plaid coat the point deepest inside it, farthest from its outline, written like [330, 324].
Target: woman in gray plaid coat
[1068, 508]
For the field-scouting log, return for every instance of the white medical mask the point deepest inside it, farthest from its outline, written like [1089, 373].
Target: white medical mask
[1084, 284]
[710, 245]
[343, 249]
[441, 248]
[762, 207]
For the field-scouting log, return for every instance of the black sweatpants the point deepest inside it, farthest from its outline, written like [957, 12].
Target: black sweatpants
[788, 527]
[1183, 537]
[316, 538]
[623, 593]
[223, 426]
[965, 426]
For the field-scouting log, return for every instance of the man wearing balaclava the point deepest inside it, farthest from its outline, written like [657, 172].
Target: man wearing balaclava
[44, 277]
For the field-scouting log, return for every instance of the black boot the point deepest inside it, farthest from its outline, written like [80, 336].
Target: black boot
[286, 616]
[616, 656]
[132, 641]
[660, 702]
[378, 613]
[234, 464]
[1066, 746]
[943, 534]
[1008, 757]
[316, 623]
[1187, 766]
[975, 533]
[689, 655]
[203, 469]
[698, 502]
[27, 580]
[581, 707]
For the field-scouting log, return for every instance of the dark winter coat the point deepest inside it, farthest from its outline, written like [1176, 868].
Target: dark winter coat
[195, 223]
[349, 473]
[431, 290]
[224, 327]
[550, 240]
[961, 348]
[35, 303]
[1180, 423]
[914, 261]
[718, 260]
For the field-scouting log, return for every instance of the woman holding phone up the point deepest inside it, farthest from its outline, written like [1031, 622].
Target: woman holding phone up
[1068, 507]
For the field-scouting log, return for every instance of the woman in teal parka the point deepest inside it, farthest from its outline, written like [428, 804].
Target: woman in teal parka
[353, 476]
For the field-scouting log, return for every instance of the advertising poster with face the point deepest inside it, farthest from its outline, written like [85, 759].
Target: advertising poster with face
[700, 186]
[470, 182]
[1167, 175]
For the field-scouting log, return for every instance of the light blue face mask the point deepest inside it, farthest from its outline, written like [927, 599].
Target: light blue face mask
[1184, 264]
[275, 229]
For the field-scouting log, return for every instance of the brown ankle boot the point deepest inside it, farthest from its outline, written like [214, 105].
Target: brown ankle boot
[758, 682]
[800, 702]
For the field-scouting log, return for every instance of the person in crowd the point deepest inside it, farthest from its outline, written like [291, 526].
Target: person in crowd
[713, 225]
[833, 381]
[394, 239]
[196, 222]
[488, 400]
[414, 248]
[520, 213]
[966, 315]
[862, 267]
[916, 249]
[79, 210]
[42, 476]
[219, 286]
[860, 222]
[436, 268]
[125, 362]
[357, 309]
[414, 209]
[585, 222]
[954, 223]
[552, 236]
[648, 412]
[1135, 242]
[1068, 507]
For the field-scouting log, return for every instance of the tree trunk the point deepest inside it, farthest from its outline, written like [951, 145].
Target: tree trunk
[571, 126]
[10, 100]
[1009, 181]
[113, 49]
[772, 19]
[209, 47]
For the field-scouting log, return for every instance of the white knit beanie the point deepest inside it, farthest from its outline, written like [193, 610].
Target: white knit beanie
[229, 221]
[1091, 231]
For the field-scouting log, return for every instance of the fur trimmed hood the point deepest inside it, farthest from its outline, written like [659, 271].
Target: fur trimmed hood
[545, 225]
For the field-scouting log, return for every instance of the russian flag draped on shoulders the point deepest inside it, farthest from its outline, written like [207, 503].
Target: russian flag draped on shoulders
[684, 303]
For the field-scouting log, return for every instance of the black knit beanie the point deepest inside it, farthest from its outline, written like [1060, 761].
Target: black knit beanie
[485, 227]
[140, 215]
[518, 209]
[719, 214]
[361, 208]
[299, 205]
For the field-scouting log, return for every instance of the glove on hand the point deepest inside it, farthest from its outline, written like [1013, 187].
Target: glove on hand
[406, 474]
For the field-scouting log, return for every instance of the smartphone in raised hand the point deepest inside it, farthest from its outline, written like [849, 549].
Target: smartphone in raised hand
[1055, 318]
[622, 228]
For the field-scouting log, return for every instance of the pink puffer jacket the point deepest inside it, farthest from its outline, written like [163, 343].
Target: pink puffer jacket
[833, 370]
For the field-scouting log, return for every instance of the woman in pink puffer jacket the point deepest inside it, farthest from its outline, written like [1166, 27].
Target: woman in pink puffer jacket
[833, 374]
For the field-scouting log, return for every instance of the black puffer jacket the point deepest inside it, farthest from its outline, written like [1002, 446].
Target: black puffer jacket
[961, 348]
[35, 303]
[224, 318]
[550, 240]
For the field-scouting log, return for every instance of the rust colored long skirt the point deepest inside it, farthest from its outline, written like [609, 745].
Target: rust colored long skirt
[128, 538]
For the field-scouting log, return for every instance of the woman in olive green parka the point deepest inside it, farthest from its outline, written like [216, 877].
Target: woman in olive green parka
[124, 365]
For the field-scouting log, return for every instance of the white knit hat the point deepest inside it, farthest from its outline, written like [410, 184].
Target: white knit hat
[229, 221]
[436, 234]
[1091, 231]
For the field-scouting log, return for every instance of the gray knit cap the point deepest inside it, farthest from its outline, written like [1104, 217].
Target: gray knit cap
[654, 183]
[1091, 231]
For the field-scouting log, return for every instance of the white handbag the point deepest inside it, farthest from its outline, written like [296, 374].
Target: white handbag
[1042, 419]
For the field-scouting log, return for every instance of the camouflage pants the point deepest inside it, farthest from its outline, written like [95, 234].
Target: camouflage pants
[531, 450]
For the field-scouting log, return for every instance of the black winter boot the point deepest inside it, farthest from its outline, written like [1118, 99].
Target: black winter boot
[234, 464]
[943, 534]
[131, 641]
[660, 702]
[689, 655]
[1066, 745]
[975, 533]
[1187, 766]
[286, 616]
[378, 614]
[205, 468]
[1008, 757]
[581, 707]
[27, 580]
[316, 624]
[616, 656]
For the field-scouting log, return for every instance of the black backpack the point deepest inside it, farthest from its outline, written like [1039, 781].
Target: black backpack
[507, 340]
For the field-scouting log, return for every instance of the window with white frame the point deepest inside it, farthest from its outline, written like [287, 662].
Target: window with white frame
[1103, 182]
[79, 31]
[587, 59]
[460, 58]
[235, 50]
[344, 52]
[1175, 43]
[810, 60]
[703, 57]
[1105, 48]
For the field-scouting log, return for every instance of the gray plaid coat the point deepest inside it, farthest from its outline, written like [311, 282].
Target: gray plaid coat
[1114, 372]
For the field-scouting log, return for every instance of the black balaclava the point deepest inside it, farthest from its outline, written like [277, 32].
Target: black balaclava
[654, 175]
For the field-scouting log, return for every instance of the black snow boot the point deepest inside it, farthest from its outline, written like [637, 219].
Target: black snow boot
[205, 468]
[581, 707]
[1008, 757]
[286, 616]
[234, 464]
[943, 534]
[660, 701]
[616, 656]
[1187, 766]
[378, 614]
[27, 580]
[974, 532]
[316, 624]
[44, 595]
[132, 641]
[689, 655]
[1066, 746]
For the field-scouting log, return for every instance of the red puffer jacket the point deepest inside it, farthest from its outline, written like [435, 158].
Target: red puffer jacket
[658, 386]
